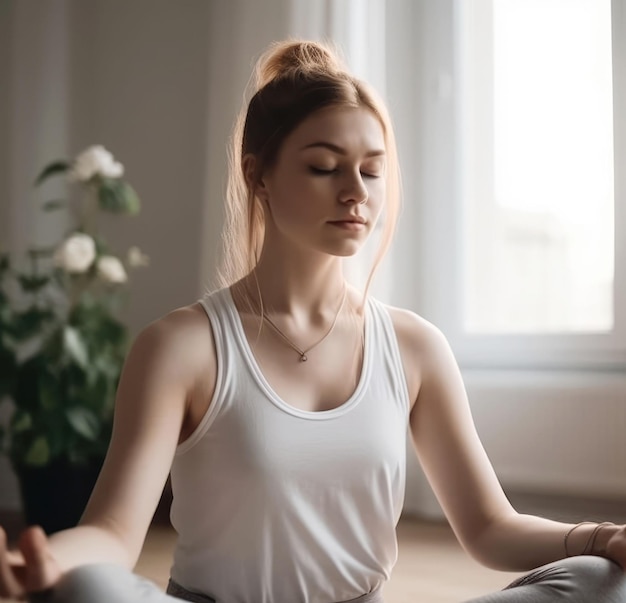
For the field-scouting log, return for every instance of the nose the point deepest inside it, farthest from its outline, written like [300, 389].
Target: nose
[353, 190]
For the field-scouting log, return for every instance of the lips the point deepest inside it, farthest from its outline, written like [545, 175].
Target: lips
[352, 220]
[348, 224]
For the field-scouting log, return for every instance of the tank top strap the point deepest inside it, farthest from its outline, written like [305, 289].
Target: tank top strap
[388, 350]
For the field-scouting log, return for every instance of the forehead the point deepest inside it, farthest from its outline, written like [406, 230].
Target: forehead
[352, 128]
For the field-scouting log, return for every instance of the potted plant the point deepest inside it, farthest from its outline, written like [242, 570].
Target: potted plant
[62, 344]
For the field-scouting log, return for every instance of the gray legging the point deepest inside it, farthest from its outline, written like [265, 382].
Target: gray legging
[575, 580]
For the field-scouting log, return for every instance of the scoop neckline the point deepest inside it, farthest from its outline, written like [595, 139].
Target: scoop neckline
[277, 400]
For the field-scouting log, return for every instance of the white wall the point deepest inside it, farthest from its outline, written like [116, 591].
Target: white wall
[139, 86]
[6, 38]
[553, 432]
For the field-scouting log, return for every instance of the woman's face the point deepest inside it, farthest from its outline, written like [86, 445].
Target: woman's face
[327, 187]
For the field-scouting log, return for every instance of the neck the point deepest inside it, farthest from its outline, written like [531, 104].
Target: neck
[300, 289]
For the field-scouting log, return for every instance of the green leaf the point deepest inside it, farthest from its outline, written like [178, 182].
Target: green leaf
[58, 434]
[54, 204]
[26, 395]
[75, 346]
[117, 196]
[51, 169]
[84, 422]
[49, 396]
[32, 284]
[38, 453]
[39, 252]
[133, 205]
[22, 421]
[53, 350]
[8, 367]
[31, 322]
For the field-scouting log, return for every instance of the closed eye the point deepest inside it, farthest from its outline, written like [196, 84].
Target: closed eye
[321, 172]
[324, 172]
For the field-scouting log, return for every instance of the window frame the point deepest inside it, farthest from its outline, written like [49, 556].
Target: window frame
[442, 303]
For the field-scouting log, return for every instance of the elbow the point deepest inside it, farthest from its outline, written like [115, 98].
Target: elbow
[117, 547]
[490, 558]
[491, 546]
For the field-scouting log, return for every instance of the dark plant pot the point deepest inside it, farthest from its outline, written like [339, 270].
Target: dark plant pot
[54, 497]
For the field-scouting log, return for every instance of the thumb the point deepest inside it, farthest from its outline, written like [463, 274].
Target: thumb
[42, 571]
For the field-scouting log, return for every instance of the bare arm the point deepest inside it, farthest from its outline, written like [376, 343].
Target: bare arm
[150, 406]
[459, 470]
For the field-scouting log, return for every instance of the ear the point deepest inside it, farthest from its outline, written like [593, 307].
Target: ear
[249, 165]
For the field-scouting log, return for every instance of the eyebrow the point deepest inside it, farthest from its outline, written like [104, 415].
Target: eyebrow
[337, 149]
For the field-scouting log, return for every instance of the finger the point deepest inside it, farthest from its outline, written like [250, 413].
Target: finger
[42, 570]
[15, 558]
[9, 585]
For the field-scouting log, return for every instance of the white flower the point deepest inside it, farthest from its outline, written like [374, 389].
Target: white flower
[111, 269]
[94, 161]
[76, 253]
[136, 258]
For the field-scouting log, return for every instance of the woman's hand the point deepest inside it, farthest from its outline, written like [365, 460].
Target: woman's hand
[31, 568]
[616, 546]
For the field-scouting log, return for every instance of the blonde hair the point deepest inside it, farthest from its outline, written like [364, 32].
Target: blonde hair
[291, 80]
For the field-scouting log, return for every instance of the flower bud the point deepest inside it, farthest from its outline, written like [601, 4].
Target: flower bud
[136, 258]
[76, 254]
[95, 160]
[111, 269]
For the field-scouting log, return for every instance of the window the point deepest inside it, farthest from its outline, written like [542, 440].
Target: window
[538, 192]
[542, 232]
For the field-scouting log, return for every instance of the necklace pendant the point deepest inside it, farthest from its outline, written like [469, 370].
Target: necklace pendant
[303, 358]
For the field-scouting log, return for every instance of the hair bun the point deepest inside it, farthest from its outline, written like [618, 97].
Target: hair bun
[296, 56]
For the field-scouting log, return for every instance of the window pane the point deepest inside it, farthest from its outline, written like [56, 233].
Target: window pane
[539, 225]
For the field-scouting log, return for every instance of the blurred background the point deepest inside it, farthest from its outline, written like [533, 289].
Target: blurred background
[510, 117]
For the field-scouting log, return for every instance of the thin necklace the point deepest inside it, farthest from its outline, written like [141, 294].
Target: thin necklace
[303, 353]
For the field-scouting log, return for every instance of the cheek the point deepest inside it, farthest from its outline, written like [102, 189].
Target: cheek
[302, 194]
[377, 192]
[293, 202]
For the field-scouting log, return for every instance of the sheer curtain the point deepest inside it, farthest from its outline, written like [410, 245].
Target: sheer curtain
[36, 88]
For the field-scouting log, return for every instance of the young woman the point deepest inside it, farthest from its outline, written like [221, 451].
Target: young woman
[281, 401]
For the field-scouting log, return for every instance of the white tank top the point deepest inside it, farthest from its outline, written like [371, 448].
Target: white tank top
[273, 504]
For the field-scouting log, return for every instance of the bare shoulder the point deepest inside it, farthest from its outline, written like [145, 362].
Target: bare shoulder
[416, 336]
[173, 362]
[180, 325]
[423, 347]
[182, 337]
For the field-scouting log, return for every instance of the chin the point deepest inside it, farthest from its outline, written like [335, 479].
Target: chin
[345, 250]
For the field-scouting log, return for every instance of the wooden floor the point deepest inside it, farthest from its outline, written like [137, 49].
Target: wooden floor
[432, 567]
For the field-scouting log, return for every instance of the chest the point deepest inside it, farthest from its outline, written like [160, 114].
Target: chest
[266, 441]
[326, 380]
